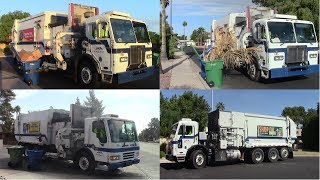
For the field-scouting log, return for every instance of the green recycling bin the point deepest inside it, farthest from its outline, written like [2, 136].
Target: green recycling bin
[15, 153]
[214, 72]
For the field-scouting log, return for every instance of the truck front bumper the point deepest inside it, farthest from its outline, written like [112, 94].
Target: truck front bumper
[294, 71]
[123, 164]
[136, 74]
[170, 157]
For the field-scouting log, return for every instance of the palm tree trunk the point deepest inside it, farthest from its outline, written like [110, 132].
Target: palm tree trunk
[163, 54]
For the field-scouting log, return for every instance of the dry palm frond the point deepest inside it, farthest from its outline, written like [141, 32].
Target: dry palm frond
[226, 49]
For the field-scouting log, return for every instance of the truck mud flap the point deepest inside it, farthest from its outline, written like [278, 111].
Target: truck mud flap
[136, 74]
[294, 71]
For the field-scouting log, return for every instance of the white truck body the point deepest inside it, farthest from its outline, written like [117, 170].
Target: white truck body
[107, 140]
[289, 47]
[115, 46]
[232, 135]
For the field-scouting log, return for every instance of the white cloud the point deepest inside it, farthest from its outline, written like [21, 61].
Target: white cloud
[24, 94]
[208, 7]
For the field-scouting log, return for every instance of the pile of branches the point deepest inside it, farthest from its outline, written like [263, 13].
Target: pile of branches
[226, 49]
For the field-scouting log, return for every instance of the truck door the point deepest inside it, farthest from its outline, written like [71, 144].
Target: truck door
[186, 138]
[98, 140]
[100, 45]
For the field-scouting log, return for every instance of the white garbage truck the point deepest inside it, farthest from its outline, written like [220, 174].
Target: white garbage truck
[111, 47]
[232, 136]
[89, 141]
[288, 46]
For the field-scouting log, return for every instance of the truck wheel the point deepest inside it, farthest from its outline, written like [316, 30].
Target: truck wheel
[198, 159]
[273, 155]
[257, 156]
[87, 75]
[86, 163]
[253, 72]
[284, 153]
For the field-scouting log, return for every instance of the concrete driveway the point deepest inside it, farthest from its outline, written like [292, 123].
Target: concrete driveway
[148, 168]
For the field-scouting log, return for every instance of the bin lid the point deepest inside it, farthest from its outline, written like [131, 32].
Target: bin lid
[15, 147]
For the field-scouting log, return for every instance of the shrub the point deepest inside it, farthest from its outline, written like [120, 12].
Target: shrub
[7, 51]
[163, 147]
[162, 154]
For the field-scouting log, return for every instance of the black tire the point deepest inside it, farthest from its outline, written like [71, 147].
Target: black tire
[198, 159]
[257, 156]
[85, 162]
[284, 153]
[273, 155]
[87, 75]
[253, 72]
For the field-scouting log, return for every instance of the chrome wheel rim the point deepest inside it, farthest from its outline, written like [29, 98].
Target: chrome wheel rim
[83, 163]
[86, 75]
[199, 159]
[258, 156]
[273, 155]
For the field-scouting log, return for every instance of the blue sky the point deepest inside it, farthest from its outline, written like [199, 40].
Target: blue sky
[268, 102]
[199, 13]
[147, 10]
[137, 105]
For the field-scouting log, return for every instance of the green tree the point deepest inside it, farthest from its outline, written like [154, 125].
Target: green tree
[152, 132]
[77, 102]
[199, 35]
[94, 103]
[303, 9]
[155, 40]
[296, 113]
[220, 106]
[188, 105]
[6, 109]
[184, 24]
[6, 23]
[310, 132]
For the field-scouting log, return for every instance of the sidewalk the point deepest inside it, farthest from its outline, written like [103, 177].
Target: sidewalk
[179, 73]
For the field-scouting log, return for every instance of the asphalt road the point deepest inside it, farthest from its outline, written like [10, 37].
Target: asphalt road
[296, 168]
[60, 80]
[148, 168]
[236, 80]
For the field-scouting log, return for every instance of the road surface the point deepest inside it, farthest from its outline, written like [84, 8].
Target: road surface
[148, 168]
[236, 80]
[296, 168]
[59, 80]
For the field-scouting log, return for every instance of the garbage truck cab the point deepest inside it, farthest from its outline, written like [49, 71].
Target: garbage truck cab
[112, 141]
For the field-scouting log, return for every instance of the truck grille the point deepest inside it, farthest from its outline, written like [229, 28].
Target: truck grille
[128, 155]
[296, 54]
[137, 55]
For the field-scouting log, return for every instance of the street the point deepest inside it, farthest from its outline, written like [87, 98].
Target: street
[11, 78]
[236, 80]
[148, 168]
[296, 168]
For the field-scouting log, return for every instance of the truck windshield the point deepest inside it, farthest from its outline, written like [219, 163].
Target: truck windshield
[281, 32]
[141, 32]
[123, 31]
[305, 33]
[122, 131]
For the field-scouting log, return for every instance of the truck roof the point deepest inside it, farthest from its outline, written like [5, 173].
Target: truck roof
[258, 115]
[44, 13]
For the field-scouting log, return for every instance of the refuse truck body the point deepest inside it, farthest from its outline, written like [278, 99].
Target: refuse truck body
[111, 47]
[76, 135]
[232, 136]
[287, 46]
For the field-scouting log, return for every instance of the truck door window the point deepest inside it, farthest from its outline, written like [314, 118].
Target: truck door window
[141, 32]
[99, 129]
[189, 130]
[94, 31]
[180, 132]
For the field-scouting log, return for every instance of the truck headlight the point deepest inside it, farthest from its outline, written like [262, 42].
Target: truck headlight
[313, 55]
[149, 56]
[123, 59]
[278, 58]
[114, 158]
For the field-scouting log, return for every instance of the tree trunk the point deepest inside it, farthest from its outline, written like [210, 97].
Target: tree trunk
[163, 54]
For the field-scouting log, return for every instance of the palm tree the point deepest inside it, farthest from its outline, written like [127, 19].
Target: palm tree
[163, 55]
[201, 34]
[184, 24]
[220, 106]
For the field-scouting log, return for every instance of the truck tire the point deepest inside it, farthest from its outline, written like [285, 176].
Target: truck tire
[198, 159]
[257, 156]
[273, 155]
[87, 75]
[254, 72]
[284, 153]
[86, 162]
